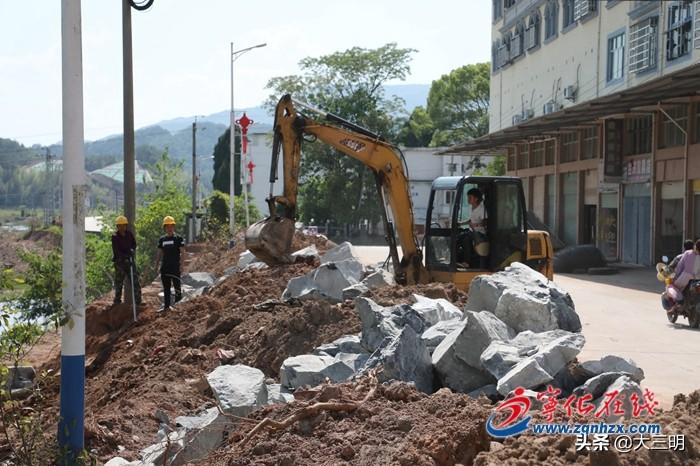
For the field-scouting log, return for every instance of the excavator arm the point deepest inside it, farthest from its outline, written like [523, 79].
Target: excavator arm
[270, 239]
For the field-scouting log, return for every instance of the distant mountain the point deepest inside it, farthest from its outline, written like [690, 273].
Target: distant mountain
[413, 94]
[176, 134]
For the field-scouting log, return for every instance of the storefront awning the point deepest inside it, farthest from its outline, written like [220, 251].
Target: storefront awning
[682, 83]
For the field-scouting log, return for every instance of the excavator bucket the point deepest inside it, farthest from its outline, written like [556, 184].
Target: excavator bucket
[270, 240]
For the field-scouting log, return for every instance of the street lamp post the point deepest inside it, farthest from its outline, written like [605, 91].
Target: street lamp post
[232, 183]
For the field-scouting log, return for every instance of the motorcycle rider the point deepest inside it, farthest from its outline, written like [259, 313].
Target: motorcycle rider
[688, 245]
[688, 268]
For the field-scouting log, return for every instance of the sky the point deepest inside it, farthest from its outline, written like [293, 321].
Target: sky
[181, 51]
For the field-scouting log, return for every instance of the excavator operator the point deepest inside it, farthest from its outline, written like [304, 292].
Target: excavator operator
[474, 239]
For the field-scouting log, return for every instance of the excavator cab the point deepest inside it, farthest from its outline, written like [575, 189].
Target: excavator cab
[460, 243]
[456, 250]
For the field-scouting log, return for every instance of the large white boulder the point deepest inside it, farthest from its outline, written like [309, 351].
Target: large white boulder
[379, 323]
[305, 369]
[342, 252]
[612, 363]
[404, 357]
[542, 366]
[524, 299]
[203, 434]
[326, 282]
[436, 310]
[238, 389]
[457, 357]
[435, 334]
[500, 356]
[198, 279]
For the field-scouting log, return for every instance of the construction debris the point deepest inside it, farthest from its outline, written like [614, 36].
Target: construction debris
[238, 389]
[524, 299]
[388, 377]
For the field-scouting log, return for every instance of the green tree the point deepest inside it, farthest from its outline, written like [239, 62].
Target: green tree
[418, 129]
[168, 176]
[497, 167]
[218, 210]
[169, 198]
[458, 104]
[222, 163]
[42, 298]
[334, 187]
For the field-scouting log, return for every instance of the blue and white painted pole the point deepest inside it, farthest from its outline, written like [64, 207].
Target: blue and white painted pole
[71, 421]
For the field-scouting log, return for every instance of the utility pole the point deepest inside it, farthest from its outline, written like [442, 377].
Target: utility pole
[48, 187]
[232, 163]
[71, 424]
[193, 228]
[128, 76]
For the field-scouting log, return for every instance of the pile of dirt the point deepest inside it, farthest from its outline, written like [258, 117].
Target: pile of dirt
[388, 296]
[215, 256]
[682, 418]
[399, 425]
[159, 362]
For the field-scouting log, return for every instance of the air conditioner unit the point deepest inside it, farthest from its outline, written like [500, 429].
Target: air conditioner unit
[529, 113]
[549, 107]
[570, 92]
[517, 119]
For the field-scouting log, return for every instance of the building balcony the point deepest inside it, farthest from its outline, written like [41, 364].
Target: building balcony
[517, 11]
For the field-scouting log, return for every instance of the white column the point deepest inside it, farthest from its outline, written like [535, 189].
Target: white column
[71, 421]
[232, 149]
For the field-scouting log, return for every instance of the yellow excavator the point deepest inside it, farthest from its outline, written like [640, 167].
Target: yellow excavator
[451, 255]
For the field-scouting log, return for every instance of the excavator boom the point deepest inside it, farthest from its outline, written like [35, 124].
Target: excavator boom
[271, 239]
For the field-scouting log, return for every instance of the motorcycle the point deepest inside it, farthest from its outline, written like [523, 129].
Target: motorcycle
[676, 303]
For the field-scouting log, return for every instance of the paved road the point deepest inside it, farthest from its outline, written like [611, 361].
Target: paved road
[621, 314]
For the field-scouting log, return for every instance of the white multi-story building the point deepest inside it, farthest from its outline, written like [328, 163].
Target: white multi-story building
[596, 106]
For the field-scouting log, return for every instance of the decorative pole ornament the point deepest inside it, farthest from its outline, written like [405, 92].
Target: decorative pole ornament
[250, 166]
[244, 122]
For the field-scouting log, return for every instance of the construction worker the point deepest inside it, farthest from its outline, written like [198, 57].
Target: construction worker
[170, 258]
[123, 255]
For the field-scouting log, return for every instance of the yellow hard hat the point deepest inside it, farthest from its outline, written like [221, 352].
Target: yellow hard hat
[168, 220]
[121, 220]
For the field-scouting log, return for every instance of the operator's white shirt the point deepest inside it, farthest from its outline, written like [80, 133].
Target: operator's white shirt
[478, 219]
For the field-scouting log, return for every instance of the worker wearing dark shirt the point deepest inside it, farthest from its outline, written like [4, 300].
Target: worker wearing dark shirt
[170, 257]
[123, 250]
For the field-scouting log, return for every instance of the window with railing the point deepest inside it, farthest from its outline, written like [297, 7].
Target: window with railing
[679, 31]
[644, 39]
[550, 19]
[508, 3]
[523, 156]
[569, 147]
[638, 135]
[503, 52]
[532, 33]
[589, 144]
[568, 8]
[583, 8]
[549, 152]
[537, 154]
[516, 43]
[671, 134]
